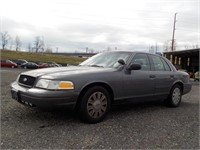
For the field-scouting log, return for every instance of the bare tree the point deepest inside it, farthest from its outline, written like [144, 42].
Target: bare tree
[109, 48]
[11, 43]
[49, 50]
[191, 46]
[91, 51]
[186, 46]
[86, 49]
[151, 49]
[168, 45]
[195, 46]
[5, 37]
[29, 47]
[18, 43]
[42, 46]
[38, 44]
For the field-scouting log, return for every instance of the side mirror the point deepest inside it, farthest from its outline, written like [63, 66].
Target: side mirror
[134, 67]
[121, 61]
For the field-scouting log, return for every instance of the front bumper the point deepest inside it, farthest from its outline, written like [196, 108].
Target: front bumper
[187, 88]
[43, 98]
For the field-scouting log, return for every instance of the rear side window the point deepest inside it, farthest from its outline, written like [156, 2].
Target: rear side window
[167, 68]
[143, 60]
[157, 63]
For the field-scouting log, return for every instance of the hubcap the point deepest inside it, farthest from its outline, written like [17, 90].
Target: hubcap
[176, 96]
[97, 104]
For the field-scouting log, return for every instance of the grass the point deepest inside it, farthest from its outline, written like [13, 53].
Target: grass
[39, 57]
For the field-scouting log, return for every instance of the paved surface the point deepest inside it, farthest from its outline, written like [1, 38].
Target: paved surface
[136, 126]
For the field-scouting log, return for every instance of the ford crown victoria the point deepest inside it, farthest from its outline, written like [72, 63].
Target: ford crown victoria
[102, 80]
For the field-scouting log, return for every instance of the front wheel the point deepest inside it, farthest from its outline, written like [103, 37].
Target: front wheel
[174, 98]
[95, 104]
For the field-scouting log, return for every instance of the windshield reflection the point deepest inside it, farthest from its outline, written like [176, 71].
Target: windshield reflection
[107, 59]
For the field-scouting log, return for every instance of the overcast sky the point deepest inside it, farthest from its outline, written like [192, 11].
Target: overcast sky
[73, 25]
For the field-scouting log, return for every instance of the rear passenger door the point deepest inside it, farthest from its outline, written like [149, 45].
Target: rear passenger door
[164, 77]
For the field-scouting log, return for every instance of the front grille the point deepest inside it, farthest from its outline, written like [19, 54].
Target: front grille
[27, 81]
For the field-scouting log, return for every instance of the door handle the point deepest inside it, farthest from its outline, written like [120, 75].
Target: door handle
[171, 76]
[152, 76]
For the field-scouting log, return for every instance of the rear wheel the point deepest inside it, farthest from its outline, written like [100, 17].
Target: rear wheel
[95, 104]
[174, 98]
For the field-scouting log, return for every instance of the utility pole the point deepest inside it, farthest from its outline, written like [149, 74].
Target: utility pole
[174, 28]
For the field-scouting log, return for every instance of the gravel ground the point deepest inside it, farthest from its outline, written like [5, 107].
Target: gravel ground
[135, 126]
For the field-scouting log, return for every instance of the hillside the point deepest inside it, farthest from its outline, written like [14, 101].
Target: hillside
[39, 57]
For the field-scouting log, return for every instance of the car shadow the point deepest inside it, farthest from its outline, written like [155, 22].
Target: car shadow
[60, 116]
[136, 107]
[66, 114]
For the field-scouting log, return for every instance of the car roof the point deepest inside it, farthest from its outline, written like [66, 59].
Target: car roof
[134, 52]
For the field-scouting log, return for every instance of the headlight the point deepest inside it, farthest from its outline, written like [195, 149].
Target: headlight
[53, 85]
[17, 78]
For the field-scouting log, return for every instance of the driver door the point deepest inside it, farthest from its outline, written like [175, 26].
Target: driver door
[139, 83]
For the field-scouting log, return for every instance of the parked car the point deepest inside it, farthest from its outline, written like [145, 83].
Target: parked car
[43, 65]
[8, 63]
[19, 62]
[29, 65]
[107, 78]
[53, 64]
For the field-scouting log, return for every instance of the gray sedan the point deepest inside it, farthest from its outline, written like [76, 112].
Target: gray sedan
[108, 78]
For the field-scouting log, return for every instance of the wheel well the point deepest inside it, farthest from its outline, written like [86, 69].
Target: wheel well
[106, 86]
[181, 85]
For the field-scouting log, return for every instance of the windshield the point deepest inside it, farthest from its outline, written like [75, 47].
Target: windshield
[107, 60]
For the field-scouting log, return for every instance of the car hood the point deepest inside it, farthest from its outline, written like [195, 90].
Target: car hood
[63, 71]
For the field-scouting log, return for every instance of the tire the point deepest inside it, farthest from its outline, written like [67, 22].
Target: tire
[95, 105]
[25, 67]
[174, 98]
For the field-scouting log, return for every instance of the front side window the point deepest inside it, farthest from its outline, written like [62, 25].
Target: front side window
[157, 63]
[143, 60]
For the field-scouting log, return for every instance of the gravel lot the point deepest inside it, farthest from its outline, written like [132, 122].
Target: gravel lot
[135, 126]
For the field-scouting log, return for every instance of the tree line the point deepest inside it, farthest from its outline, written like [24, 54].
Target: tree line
[38, 43]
